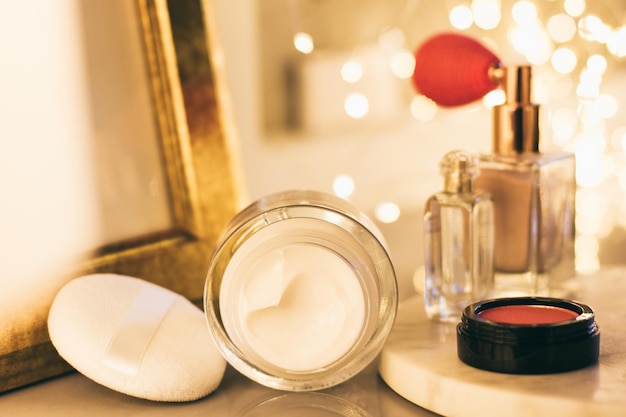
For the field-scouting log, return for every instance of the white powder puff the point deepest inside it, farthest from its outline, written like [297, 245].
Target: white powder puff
[136, 338]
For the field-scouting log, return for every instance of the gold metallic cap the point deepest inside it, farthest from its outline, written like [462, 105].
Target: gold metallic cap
[516, 122]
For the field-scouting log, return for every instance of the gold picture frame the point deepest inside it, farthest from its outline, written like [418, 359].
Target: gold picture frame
[198, 165]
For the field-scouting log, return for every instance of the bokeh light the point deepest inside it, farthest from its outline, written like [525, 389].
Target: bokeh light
[575, 8]
[591, 203]
[564, 60]
[423, 109]
[461, 17]
[494, 98]
[607, 106]
[586, 250]
[487, 13]
[616, 43]
[524, 12]
[532, 41]
[618, 138]
[303, 42]
[343, 186]
[392, 39]
[564, 123]
[352, 71]
[403, 64]
[561, 27]
[387, 212]
[592, 28]
[541, 51]
[356, 105]
[597, 64]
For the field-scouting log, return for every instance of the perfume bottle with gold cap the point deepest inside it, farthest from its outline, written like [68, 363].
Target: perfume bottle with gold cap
[458, 225]
[533, 195]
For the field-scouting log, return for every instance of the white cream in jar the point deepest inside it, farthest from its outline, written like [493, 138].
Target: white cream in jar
[300, 293]
[297, 306]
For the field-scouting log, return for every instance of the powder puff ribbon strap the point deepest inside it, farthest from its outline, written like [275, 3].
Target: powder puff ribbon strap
[135, 332]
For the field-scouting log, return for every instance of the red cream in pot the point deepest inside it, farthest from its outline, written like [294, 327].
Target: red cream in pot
[528, 335]
[528, 314]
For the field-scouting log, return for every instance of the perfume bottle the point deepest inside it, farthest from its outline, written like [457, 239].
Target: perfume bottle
[458, 226]
[533, 195]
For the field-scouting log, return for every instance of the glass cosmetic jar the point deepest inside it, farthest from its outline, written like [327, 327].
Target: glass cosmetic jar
[301, 293]
[528, 335]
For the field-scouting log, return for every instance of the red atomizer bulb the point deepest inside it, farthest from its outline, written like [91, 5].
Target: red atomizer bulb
[453, 69]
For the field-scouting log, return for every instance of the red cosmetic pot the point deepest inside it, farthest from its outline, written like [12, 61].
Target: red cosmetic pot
[528, 335]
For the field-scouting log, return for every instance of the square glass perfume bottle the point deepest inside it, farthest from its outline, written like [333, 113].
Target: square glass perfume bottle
[458, 226]
[533, 195]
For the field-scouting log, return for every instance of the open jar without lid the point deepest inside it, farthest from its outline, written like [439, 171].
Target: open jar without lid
[528, 335]
[301, 293]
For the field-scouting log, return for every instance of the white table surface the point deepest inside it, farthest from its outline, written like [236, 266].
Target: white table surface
[74, 395]
[420, 362]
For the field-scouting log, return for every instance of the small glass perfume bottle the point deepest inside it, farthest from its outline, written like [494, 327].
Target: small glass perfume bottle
[533, 195]
[458, 226]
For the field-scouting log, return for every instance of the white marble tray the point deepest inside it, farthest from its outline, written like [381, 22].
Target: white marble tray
[420, 363]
